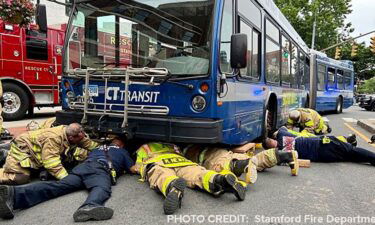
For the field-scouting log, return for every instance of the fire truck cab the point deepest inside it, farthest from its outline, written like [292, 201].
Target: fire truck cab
[30, 68]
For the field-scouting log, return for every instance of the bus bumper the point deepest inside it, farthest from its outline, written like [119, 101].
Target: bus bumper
[168, 129]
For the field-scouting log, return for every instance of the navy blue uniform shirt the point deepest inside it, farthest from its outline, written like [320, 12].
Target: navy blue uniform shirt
[120, 157]
[307, 147]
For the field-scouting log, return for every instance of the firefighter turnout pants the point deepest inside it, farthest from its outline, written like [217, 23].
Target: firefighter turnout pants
[13, 173]
[196, 176]
[90, 175]
[219, 159]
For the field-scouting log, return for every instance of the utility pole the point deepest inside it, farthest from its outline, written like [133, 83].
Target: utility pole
[314, 28]
[313, 34]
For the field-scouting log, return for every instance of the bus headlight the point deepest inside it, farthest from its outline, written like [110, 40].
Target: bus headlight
[198, 103]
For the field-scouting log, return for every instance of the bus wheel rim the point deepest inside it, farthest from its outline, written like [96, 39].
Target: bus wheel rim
[12, 102]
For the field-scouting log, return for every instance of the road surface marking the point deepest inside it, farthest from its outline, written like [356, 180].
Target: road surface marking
[350, 120]
[325, 119]
[359, 134]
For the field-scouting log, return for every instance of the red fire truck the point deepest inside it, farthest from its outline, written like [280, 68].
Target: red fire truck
[30, 67]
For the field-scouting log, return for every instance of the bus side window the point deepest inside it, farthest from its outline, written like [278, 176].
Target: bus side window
[340, 79]
[307, 71]
[348, 80]
[226, 33]
[272, 53]
[286, 77]
[321, 77]
[294, 66]
[252, 70]
[301, 63]
[331, 78]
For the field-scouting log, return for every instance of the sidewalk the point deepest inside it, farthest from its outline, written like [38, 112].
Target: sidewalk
[368, 125]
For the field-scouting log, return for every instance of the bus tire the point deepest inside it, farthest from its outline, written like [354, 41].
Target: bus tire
[269, 124]
[16, 102]
[307, 102]
[339, 105]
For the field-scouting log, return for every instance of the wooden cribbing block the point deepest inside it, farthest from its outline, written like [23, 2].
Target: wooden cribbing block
[249, 147]
[305, 163]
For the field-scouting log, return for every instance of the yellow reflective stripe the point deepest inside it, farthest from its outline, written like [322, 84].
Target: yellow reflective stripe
[161, 157]
[342, 139]
[207, 178]
[25, 163]
[36, 148]
[309, 123]
[171, 160]
[61, 174]
[38, 156]
[141, 154]
[53, 162]
[16, 153]
[326, 140]
[93, 145]
[290, 121]
[201, 156]
[166, 184]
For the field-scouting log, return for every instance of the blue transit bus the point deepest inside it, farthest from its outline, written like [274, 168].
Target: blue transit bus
[335, 84]
[188, 71]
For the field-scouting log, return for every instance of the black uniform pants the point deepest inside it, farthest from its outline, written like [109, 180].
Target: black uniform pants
[337, 151]
[89, 175]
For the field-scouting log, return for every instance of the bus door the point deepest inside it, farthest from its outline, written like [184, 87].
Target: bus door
[331, 79]
[38, 66]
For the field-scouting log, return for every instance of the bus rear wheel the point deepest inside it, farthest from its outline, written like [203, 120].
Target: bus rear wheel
[339, 105]
[16, 102]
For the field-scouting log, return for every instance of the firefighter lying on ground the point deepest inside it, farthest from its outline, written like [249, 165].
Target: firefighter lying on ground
[169, 172]
[44, 148]
[309, 120]
[219, 159]
[4, 133]
[321, 149]
[94, 174]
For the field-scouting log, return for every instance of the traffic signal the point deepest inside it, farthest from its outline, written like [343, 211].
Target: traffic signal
[372, 44]
[338, 53]
[354, 50]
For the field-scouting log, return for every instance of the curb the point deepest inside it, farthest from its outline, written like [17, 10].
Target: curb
[366, 126]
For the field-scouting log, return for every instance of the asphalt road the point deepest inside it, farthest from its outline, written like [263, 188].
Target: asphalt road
[323, 194]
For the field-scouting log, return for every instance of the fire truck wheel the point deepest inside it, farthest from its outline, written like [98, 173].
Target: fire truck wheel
[16, 102]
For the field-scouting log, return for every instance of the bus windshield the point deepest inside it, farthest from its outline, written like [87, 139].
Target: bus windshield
[172, 34]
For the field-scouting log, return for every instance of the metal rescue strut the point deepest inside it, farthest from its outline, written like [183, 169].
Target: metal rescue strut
[128, 76]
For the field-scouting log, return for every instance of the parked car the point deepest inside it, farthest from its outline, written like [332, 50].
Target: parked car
[367, 102]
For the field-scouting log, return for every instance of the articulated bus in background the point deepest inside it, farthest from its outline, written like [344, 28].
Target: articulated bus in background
[207, 71]
[335, 83]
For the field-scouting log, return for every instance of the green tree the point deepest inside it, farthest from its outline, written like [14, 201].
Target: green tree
[368, 87]
[330, 19]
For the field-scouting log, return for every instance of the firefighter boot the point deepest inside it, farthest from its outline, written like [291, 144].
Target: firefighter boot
[174, 195]
[352, 139]
[228, 182]
[289, 157]
[6, 202]
[89, 212]
[247, 166]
